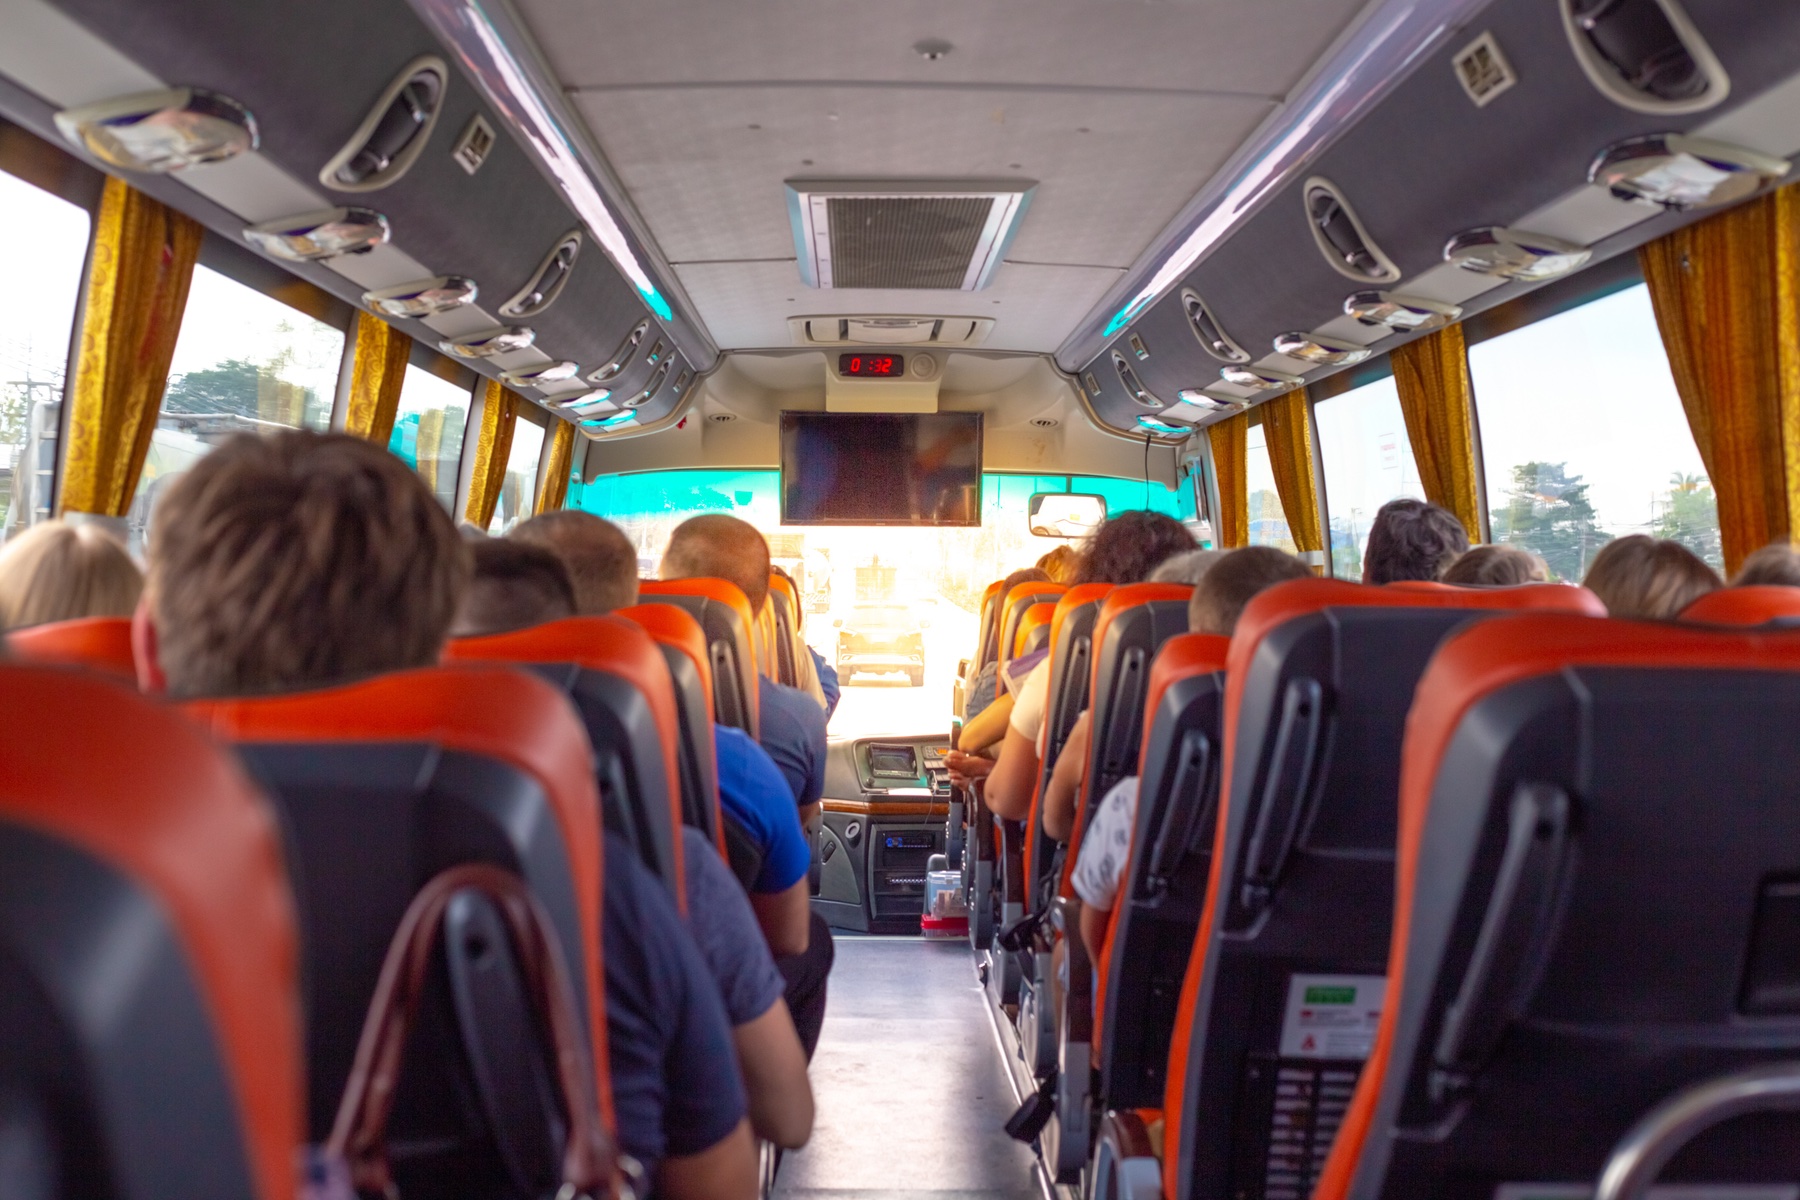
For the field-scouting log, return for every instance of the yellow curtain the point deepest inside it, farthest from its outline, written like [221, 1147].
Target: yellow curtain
[1725, 294]
[137, 287]
[1287, 428]
[378, 370]
[556, 473]
[493, 444]
[1228, 438]
[1437, 401]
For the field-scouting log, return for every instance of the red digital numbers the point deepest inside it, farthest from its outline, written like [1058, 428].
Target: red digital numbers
[870, 364]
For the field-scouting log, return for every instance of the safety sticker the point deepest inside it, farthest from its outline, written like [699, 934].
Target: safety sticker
[1671, 1191]
[1332, 1016]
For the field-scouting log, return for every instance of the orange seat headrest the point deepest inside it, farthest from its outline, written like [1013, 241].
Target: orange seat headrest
[1032, 619]
[1757, 604]
[98, 643]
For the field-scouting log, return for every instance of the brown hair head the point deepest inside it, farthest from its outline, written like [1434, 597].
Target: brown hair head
[716, 546]
[1131, 545]
[1497, 566]
[1776, 563]
[56, 571]
[1644, 577]
[515, 585]
[1233, 581]
[298, 560]
[1412, 539]
[1060, 564]
[601, 561]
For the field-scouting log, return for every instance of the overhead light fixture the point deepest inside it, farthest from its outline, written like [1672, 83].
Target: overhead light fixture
[1680, 173]
[616, 419]
[1163, 427]
[1514, 254]
[1316, 348]
[1260, 378]
[1406, 314]
[589, 403]
[1206, 402]
[425, 298]
[162, 131]
[327, 233]
[491, 343]
[533, 377]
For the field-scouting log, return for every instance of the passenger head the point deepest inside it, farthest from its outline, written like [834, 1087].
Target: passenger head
[1131, 545]
[1233, 581]
[297, 560]
[716, 546]
[1059, 565]
[55, 571]
[1497, 566]
[1776, 563]
[515, 585]
[601, 561]
[1187, 567]
[1412, 539]
[1649, 578]
[1027, 575]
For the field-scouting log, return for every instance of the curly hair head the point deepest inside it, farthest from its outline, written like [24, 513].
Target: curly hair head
[1128, 547]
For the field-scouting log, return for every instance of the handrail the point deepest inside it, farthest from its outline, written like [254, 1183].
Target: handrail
[1647, 1148]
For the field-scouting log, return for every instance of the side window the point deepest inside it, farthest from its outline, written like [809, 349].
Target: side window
[244, 363]
[1368, 461]
[1268, 523]
[42, 268]
[518, 493]
[428, 430]
[1584, 438]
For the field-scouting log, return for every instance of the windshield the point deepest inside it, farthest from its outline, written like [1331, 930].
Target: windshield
[921, 586]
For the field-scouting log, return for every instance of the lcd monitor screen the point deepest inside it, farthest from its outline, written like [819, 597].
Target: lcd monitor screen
[880, 468]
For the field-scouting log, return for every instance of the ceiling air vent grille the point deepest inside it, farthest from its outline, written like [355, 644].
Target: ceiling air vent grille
[934, 235]
[889, 331]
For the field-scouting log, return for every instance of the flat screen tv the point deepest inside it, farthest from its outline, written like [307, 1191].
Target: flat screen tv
[880, 468]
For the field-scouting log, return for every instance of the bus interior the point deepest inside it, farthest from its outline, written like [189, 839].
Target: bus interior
[1422, 889]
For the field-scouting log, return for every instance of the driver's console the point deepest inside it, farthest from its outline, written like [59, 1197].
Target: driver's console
[885, 803]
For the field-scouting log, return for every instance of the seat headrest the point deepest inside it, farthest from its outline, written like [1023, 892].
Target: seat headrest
[723, 591]
[1757, 604]
[97, 643]
[1033, 618]
[1131, 595]
[132, 783]
[1181, 657]
[785, 586]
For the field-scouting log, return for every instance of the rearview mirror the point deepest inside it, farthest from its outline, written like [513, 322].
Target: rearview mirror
[1066, 514]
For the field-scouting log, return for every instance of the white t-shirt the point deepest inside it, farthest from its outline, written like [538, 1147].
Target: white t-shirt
[1028, 706]
[1106, 846]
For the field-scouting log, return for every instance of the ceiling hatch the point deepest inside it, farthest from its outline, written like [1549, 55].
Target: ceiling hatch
[940, 234]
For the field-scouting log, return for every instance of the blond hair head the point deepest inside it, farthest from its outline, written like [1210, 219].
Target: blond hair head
[56, 571]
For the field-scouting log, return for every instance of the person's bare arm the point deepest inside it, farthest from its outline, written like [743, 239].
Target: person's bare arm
[785, 918]
[988, 726]
[1093, 933]
[1064, 788]
[774, 1066]
[1010, 784]
[812, 816]
[725, 1170]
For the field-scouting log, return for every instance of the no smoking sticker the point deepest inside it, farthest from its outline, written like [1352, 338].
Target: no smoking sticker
[1332, 1016]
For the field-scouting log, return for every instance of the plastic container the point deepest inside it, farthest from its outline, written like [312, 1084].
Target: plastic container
[946, 912]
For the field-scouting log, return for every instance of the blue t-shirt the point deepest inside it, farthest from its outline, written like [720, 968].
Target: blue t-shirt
[753, 793]
[828, 682]
[725, 929]
[675, 1083]
[792, 730]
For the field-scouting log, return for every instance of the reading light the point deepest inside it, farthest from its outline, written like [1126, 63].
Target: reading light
[538, 376]
[1514, 254]
[493, 342]
[1679, 173]
[618, 418]
[1260, 378]
[424, 298]
[161, 131]
[1163, 427]
[1407, 314]
[588, 403]
[1315, 348]
[323, 234]
[1201, 399]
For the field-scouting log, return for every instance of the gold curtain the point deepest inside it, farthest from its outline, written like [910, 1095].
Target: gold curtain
[139, 270]
[556, 473]
[376, 373]
[499, 412]
[1437, 401]
[1725, 294]
[1287, 428]
[1228, 438]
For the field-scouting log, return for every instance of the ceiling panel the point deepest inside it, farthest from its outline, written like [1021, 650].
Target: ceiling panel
[746, 304]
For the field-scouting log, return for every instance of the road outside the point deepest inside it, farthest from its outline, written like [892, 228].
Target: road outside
[888, 705]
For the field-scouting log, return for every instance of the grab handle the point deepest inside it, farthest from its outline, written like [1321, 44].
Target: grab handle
[1185, 809]
[1291, 771]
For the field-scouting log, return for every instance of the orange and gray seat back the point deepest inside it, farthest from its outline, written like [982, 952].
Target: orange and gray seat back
[724, 614]
[1070, 669]
[1757, 604]
[97, 643]
[1012, 612]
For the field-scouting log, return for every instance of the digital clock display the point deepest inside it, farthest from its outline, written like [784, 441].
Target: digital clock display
[872, 366]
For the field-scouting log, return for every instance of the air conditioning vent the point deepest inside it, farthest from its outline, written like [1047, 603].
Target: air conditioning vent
[889, 331]
[1645, 55]
[1044, 422]
[547, 282]
[1342, 239]
[1206, 327]
[1483, 70]
[393, 133]
[925, 234]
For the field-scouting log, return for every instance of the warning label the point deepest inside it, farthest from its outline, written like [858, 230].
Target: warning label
[1332, 1016]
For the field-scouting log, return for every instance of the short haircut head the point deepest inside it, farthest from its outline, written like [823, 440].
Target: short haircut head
[298, 560]
[515, 585]
[1412, 539]
[716, 546]
[1497, 566]
[601, 561]
[1190, 566]
[1233, 581]
[56, 571]
[1648, 578]
[1126, 548]
[1776, 563]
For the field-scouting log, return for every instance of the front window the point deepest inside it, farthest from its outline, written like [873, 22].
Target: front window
[1368, 461]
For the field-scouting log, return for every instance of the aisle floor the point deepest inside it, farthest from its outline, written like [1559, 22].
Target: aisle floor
[911, 1093]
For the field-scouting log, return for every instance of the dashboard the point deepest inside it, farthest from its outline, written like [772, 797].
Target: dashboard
[885, 805]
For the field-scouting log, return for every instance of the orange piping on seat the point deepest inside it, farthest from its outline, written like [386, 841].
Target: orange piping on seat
[97, 643]
[1034, 618]
[672, 626]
